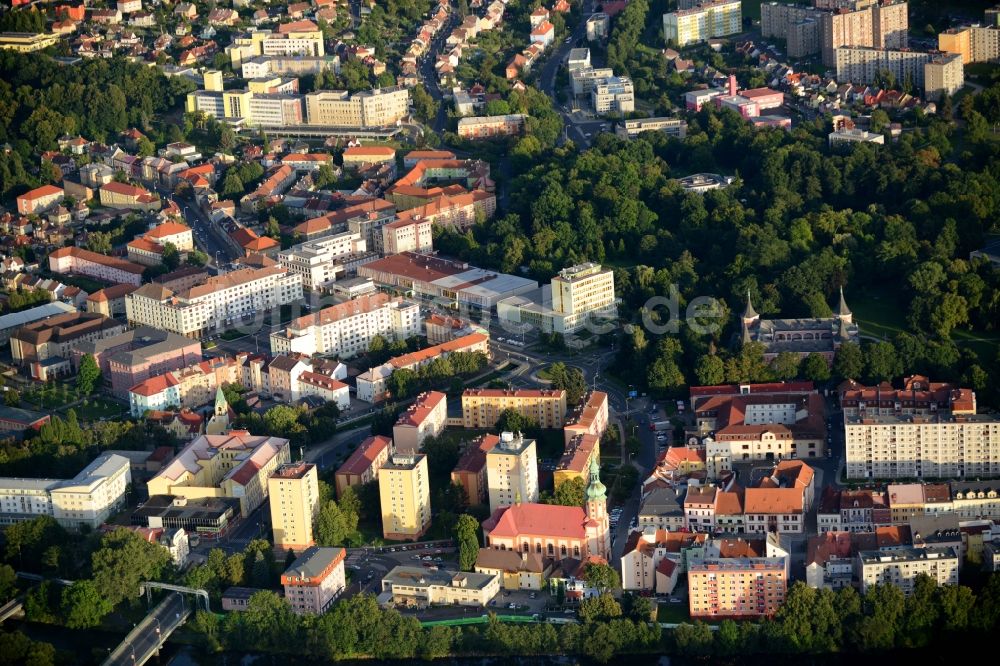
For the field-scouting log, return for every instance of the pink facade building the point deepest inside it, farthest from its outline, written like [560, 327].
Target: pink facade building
[135, 356]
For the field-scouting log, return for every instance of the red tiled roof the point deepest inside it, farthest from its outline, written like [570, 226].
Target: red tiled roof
[421, 408]
[773, 500]
[566, 522]
[167, 229]
[364, 455]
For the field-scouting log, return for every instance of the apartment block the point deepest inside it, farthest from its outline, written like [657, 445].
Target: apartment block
[320, 262]
[585, 79]
[372, 108]
[236, 465]
[590, 418]
[315, 579]
[512, 471]
[481, 408]
[798, 25]
[575, 462]
[944, 74]
[575, 297]
[70, 260]
[736, 587]
[364, 464]
[371, 384]
[652, 559]
[185, 388]
[878, 25]
[408, 235]
[219, 303]
[85, 501]
[299, 38]
[39, 199]
[716, 18]
[900, 567]
[923, 430]
[865, 65]
[424, 418]
[293, 493]
[405, 497]
[348, 328]
[484, 127]
[470, 470]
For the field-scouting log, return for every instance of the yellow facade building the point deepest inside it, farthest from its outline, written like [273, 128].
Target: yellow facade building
[576, 459]
[481, 408]
[293, 492]
[404, 492]
[26, 42]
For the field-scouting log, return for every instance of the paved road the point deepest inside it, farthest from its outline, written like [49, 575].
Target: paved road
[205, 232]
[143, 641]
[429, 74]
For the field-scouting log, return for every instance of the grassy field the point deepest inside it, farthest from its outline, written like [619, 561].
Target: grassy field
[673, 613]
[51, 396]
[97, 408]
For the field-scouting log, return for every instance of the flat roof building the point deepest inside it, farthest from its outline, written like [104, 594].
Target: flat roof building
[315, 579]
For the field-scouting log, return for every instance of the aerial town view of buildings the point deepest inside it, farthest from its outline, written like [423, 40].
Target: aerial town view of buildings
[428, 329]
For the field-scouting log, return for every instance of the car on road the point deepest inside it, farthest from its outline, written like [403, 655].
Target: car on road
[427, 558]
[568, 40]
[675, 600]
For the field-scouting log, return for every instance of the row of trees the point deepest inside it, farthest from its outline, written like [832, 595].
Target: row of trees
[298, 424]
[405, 382]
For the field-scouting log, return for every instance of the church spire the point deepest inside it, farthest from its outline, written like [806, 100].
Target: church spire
[843, 312]
[221, 404]
[844, 334]
[596, 491]
[749, 314]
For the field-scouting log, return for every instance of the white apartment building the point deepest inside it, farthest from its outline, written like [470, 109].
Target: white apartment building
[584, 79]
[318, 261]
[220, 303]
[512, 471]
[900, 567]
[574, 296]
[408, 235]
[717, 18]
[940, 445]
[87, 499]
[865, 65]
[348, 328]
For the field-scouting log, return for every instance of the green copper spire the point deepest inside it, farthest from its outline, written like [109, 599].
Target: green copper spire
[596, 490]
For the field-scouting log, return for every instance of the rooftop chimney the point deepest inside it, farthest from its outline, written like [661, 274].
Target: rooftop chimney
[732, 85]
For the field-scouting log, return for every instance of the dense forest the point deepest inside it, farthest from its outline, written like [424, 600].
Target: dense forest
[896, 222]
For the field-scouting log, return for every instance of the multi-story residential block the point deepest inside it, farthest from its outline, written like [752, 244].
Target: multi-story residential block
[575, 297]
[46, 346]
[293, 493]
[136, 355]
[364, 464]
[481, 408]
[39, 200]
[371, 385]
[653, 558]
[235, 465]
[597, 27]
[85, 501]
[797, 25]
[320, 262]
[714, 18]
[219, 303]
[413, 233]
[613, 96]
[372, 108]
[365, 218]
[299, 38]
[70, 260]
[923, 430]
[944, 74]
[419, 184]
[296, 65]
[348, 328]
[576, 459]
[736, 587]
[445, 280]
[779, 510]
[125, 196]
[908, 69]
[424, 418]
[148, 248]
[405, 497]
[315, 579]
[483, 127]
[590, 418]
[900, 567]
[512, 471]
[552, 530]
[630, 129]
[470, 470]
[975, 43]
[832, 557]
[415, 587]
[881, 25]
[584, 79]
